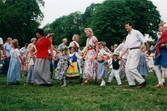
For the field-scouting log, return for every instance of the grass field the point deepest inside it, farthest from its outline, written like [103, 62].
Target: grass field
[75, 97]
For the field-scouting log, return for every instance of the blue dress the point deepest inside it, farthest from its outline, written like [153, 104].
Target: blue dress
[73, 71]
[101, 69]
[142, 66]
[162, 60]
[14, 66]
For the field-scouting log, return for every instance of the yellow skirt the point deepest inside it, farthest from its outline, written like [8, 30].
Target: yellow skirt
[73, 71]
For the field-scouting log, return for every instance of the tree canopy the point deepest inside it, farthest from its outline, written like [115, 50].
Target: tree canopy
[107, 21]
[20, 18]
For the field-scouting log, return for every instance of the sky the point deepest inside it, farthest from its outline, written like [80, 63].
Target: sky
[56, 8]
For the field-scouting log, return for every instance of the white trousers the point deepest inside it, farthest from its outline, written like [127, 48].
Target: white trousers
[131, 67]
[158, 72]
[116, 74]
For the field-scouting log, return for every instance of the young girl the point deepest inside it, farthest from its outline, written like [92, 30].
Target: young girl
[116, 63]
[62, 66]
[14, 65]
[101, 69]
[23, 66]
[73, 71]
[142, 66]
[31, 61]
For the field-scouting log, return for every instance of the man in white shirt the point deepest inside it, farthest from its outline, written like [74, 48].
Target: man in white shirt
[133, 43]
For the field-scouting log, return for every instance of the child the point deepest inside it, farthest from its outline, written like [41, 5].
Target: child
[150, 62]
[23, 66]
[101, 69]
[73, 71]
[163, 40]
[14, 65]
[62, 66]
[116, 63]
[31, 61]
[142, 66]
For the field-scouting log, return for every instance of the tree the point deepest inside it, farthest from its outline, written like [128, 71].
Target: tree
[20, 18]
[65, 27]
[107, 21]
[109, 17]
[146, 18]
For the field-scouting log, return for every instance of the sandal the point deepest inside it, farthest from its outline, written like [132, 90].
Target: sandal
[64, 85]
[159, 86]
[85, 82]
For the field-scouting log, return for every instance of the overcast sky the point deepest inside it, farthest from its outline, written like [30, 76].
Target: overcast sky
[56, 8]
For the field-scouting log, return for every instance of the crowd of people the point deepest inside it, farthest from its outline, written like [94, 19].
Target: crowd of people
[131, 60]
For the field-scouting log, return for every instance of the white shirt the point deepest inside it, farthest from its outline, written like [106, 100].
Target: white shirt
[31, 61]
[120, 48]
[1, 41]
[134, 39]
[103, 52]
[72, 44]
[77, 55]
[15, 51]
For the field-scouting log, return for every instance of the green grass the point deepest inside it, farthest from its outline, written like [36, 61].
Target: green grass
[75, 97]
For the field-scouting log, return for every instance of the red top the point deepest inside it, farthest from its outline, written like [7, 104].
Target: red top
[42, 48]
[163, 38]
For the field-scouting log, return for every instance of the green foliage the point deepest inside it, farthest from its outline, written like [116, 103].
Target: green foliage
[107, 21]
[75, 97]
[20, 18]
[65, 27]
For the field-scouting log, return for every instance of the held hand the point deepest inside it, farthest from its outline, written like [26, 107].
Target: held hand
[71, 65]
[162, 45]
[22, 63]
[95, 56]
[120, 57]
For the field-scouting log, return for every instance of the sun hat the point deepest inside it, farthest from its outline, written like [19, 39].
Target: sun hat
[116, 53]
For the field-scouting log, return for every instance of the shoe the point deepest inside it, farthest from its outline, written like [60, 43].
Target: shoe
[132, 85]
[64, 85]
[17, 82]
[103, 83]
[36, 84]
[163, 80]
[10, 83]
[26, 84]
[159, 86]
[108, 83]
[119, 84]
[142, 84]
[84, 83]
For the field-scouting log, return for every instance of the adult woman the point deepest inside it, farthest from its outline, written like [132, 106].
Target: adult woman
[90, 56]
[7, 47]
[42, 63]
[75, 43]
[161, 62]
